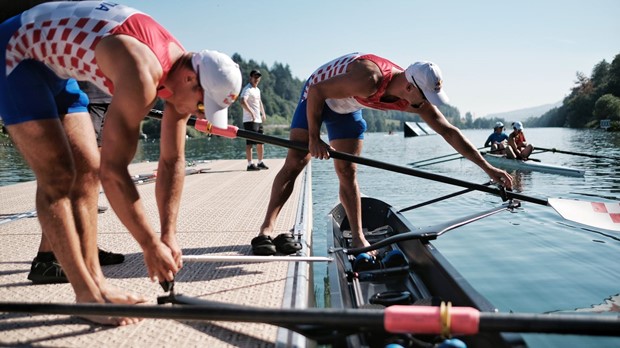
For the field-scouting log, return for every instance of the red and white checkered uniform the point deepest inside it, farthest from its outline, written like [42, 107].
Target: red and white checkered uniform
[339, 66]
[63, 36]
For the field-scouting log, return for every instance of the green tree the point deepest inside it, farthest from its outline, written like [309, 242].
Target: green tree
[607, 106]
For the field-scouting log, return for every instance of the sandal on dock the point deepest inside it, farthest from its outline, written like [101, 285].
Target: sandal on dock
[263, 245]
[286, 244]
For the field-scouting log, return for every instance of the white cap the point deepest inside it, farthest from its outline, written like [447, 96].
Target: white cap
[499, 125]
[427, 76]
[220, 79]
[517, 125]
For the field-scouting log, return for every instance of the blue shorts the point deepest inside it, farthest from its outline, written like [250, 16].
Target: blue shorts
[339, 126]
[33, 91]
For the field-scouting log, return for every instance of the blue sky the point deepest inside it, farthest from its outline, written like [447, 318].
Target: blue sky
[495, 56]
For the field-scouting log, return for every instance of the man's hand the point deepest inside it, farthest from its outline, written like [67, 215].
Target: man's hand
[318, 148]
[159, 262]
[170, 240]
[501, 177]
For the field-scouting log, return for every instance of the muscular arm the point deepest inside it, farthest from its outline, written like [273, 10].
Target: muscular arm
[134, 70]
[171, 175]
[262, 110]
[488, 142]
[361, 80]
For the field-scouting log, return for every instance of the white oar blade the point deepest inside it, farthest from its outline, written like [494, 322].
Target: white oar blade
[597, 214]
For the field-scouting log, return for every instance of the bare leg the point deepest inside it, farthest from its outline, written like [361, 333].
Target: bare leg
[510, 153]
[284, 182]
[527, 151]
[260, 149]
[349, 191]
[248, 153]
[84, 198]
[51, 159]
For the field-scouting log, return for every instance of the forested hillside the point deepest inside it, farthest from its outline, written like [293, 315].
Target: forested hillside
[592, 98]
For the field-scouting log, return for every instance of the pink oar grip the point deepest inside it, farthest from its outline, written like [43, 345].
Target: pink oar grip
[426, 320]
[205, 127]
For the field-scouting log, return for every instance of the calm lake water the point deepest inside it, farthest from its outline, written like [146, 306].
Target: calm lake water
[527, 261]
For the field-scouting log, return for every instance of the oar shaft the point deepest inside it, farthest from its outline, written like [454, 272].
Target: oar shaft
[437, 162]
[576, 153]
[397, 319]
[338, 318]
[232, 132]
[440, 157]
[573, 324]
[251, 258]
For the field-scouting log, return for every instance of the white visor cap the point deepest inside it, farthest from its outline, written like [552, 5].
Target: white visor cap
[427, 77]
[220, 79]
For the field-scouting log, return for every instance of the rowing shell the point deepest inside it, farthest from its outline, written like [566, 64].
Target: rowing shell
[410, 272]
[501, 161]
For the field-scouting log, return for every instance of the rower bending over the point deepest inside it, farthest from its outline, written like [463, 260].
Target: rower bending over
[125, 53]
[335, 94]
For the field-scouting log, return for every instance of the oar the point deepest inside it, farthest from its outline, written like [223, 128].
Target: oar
[252, 258]
[326, 323]
[428, 233]
[435, 200]
[576, 153]
[234, 132]
[417, 163]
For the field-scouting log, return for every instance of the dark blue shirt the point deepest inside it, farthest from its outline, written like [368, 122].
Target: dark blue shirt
[496, 138]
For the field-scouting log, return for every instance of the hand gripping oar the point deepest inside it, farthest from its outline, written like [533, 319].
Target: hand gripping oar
[234, 132]
[323, 323]
[577, 153]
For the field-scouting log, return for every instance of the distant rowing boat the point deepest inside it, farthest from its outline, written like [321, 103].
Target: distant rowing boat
[503, 162]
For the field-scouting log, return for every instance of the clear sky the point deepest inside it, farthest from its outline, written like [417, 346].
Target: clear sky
[495, 55]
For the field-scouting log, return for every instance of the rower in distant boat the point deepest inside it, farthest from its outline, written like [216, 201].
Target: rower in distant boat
[521, 148]
[498, 140]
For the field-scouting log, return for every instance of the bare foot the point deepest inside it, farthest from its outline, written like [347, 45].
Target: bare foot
[361, 243]
[112, 294]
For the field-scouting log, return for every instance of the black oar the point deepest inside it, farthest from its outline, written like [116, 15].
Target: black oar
[432, 160]
[438, 199]
[234, 132]
[323, 323]
[576, 153]
[428, 233]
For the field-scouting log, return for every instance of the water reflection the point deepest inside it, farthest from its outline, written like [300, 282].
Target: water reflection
[14, 169]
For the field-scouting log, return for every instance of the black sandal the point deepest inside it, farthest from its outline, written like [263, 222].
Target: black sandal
[286, 244]
[263, 245]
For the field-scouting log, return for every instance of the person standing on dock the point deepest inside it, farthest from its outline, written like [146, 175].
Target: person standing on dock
[521, 149]
[127, 54]
[335, 94]
[253, 118]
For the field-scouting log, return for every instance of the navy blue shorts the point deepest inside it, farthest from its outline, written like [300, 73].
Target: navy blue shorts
[33, 91]
[339, 126]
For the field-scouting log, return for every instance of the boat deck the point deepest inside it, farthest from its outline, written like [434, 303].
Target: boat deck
[222, 209]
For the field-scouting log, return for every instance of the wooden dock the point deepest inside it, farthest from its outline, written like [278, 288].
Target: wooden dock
[222, 209]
